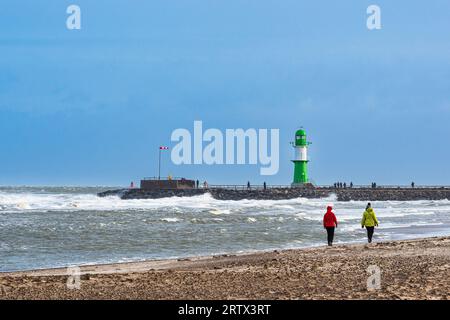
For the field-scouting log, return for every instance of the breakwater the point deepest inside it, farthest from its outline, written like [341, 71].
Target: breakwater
[348, 194]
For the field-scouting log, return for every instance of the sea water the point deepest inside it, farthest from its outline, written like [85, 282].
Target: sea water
[63, 226]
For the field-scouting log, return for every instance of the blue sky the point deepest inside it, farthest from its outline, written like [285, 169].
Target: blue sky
[91, 106]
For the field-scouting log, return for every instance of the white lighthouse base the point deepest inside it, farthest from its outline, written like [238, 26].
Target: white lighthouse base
[302, 185]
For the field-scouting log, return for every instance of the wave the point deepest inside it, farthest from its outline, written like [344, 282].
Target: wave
[71, 202]
[44, 202]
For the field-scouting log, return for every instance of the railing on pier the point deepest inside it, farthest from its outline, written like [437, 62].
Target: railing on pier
[279, 186]
[332, 187]
[164, 178]
[385, 187]
[245, 187]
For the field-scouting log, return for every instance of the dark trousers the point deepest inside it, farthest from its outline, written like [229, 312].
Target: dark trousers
[330, 233]
[370, 231]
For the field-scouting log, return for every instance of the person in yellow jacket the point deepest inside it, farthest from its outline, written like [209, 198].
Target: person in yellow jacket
[370, 221]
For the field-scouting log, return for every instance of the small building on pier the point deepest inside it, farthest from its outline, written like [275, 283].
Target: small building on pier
[176, 183]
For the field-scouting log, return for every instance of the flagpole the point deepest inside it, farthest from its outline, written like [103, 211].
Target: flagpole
[159, 165]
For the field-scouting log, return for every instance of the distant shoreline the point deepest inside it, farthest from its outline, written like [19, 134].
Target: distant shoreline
[411, 269]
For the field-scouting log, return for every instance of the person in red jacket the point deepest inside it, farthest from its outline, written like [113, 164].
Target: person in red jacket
[330, 223]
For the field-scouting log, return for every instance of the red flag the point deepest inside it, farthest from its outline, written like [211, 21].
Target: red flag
[163, 148]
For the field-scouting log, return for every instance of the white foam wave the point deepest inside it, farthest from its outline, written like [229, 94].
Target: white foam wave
[300, 208]
[170, 219]
[44, 202]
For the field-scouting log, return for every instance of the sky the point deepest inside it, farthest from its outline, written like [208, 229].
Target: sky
[92, 106]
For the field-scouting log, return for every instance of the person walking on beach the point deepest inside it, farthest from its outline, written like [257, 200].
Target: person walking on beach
[369, 220]
[330, 223]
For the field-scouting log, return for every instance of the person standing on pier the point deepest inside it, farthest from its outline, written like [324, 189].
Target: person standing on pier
[330, 223]
[370, 221]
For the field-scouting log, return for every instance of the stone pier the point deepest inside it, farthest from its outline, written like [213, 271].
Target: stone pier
[348, 194]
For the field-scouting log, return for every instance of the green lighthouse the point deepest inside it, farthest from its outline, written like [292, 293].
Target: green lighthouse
[301, 158]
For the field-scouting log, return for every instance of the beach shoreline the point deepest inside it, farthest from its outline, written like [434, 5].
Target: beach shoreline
[410, 269]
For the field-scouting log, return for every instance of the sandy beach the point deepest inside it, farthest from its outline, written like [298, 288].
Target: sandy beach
[410, 269]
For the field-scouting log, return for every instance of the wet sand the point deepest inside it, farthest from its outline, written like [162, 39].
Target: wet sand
[410, 269]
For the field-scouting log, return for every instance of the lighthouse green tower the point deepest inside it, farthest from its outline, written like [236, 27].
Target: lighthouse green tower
[301, 158]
